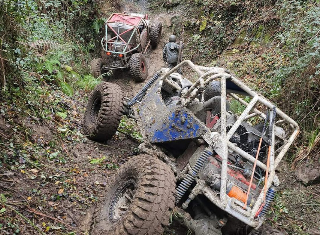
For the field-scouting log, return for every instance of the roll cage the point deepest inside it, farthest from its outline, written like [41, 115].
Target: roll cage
[123, 33]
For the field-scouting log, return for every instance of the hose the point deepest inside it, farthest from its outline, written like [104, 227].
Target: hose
[188, 180]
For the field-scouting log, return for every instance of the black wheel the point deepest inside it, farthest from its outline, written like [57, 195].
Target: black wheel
[96, 67]
[103, 112]
[138, 67]
[155, 34]
[139, 199]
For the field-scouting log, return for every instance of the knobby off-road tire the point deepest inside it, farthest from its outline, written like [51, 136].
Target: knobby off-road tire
[103, 112]
[144, 39]
[144, 188]
[96, 67]
[155, 34]
[138, 67]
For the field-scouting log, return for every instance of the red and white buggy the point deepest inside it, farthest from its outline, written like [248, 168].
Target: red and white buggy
[127, 38]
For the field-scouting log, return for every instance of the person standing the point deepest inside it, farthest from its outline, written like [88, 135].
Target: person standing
[172, 52]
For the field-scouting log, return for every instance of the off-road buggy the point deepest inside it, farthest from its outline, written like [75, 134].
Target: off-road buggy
[126, 39]
[211, 149]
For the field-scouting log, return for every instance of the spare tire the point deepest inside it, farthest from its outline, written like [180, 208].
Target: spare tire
[138, 199]
[96, 67]
[155, 34]
[103, 112]
[138, 67]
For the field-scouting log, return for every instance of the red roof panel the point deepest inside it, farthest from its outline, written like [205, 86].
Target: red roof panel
[126, 19]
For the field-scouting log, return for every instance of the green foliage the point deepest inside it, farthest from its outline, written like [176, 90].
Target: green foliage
[128, 127]
[43, 26]
[297, 81]
[87, 82]
[278, 208]
[236, 107]
[203, 24]
[3, 199]
[97, 160]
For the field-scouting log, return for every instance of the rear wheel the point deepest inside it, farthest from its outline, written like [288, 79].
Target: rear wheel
[138, 67]
[103, 112]
[144, 39]
[96, 67]
[139, 199]
[155, 34]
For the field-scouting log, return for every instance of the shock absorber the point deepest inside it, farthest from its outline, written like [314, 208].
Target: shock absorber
[269, 198]
[187, 181]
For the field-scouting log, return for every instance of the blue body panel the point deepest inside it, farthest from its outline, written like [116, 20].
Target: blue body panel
[177, 126]
[164, 123]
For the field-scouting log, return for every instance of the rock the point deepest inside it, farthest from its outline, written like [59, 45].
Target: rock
[308, 172]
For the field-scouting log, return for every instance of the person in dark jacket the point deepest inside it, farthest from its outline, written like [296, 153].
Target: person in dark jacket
[171, 52]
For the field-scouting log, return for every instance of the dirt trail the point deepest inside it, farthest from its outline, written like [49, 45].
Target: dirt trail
[120, 149]
[153, 56]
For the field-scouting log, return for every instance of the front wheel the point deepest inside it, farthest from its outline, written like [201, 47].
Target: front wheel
[139, 199]
[138, 67]
[103, 112]
[96, 67]
[155, 34]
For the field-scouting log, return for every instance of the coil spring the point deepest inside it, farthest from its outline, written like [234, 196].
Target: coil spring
[186, 182]
[142, 92]
[269, 198]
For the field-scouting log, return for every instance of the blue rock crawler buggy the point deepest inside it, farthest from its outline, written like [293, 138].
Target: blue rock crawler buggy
[210, 153]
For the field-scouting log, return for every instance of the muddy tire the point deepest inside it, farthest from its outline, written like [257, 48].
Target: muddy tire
[155, 34]
[103, 112]
[96, 67]
[144, 39]
[138, 67]
[139, 199]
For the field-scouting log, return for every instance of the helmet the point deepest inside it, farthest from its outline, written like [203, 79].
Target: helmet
[172, 38]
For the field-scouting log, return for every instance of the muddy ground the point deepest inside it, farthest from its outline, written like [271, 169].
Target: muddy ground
[58, 193]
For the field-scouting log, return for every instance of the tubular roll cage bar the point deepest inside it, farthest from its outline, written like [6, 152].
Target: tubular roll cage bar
[220, 142]
[105, 42]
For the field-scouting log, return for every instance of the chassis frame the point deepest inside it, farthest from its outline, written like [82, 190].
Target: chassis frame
[132, 22]
[219, 140]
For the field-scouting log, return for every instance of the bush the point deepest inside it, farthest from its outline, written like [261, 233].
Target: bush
[297, 82]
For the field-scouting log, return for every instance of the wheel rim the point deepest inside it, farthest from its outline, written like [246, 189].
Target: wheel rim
[122, 200]
[96, 105]
[143, 67]
[159, 34]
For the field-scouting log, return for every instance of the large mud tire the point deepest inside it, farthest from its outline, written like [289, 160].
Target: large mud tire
[144, 186]
[144, 39]
[96, 67]
[103, 112]
[155, 34]
[138, 67]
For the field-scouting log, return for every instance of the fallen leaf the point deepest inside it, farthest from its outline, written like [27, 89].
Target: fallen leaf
[29, 198]
[34, 171]
[60, 191]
